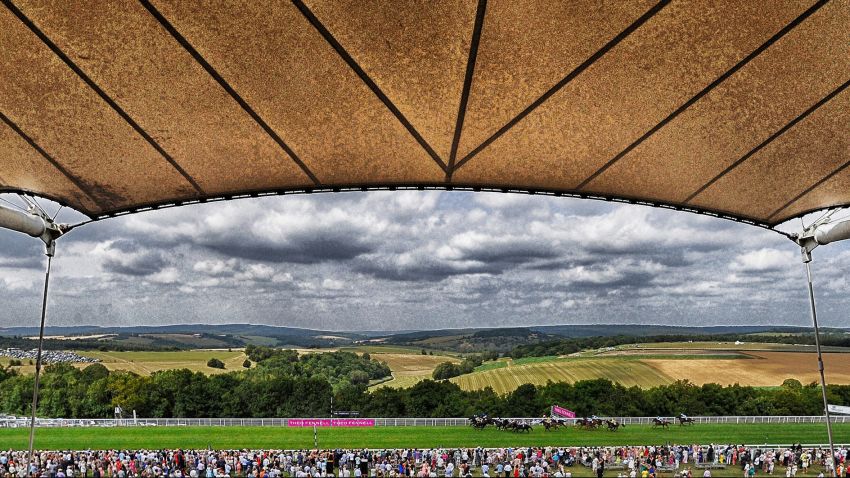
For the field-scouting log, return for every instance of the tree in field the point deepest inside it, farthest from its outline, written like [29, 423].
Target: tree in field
[446, 370]
[215, 363]
[246, 363]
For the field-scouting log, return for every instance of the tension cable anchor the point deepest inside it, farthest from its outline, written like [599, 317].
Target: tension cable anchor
[33, 222]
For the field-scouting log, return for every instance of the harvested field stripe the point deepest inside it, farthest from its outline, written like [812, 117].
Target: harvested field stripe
[506, 379]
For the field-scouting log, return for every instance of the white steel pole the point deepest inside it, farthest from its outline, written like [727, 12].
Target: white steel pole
[31, 458]
[814, 313]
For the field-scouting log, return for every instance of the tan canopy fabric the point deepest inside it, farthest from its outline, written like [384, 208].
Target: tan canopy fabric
[730, 107]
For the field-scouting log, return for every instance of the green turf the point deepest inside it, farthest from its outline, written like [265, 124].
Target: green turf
[400, 437]
[491, 365]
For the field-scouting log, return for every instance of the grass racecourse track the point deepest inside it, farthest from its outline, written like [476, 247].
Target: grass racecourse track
[408, 437]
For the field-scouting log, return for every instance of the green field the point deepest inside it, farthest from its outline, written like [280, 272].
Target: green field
[415, 437]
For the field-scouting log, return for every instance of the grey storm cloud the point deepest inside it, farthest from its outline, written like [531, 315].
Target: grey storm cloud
[20, 251]
[509, 252]
[422, 268]
[139, 264]
[395, 260]
[462, 254]
[299, 248]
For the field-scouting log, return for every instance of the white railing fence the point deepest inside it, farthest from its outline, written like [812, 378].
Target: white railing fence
[18, 422]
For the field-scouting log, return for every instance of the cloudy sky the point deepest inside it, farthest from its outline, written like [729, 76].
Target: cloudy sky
[418, 260]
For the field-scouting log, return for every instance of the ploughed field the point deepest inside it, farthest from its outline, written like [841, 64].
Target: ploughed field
[409, 437]
[649, 368]
[410, 368]
[647, 365]
[514, 373]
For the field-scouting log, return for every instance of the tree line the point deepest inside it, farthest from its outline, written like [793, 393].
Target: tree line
[285, 386]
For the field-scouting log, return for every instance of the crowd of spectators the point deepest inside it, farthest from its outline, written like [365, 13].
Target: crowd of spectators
[560, 462]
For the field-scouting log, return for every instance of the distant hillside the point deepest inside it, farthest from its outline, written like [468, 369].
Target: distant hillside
[505, 340]
[225, 329]
[640, 330]
[572, 345]
[196, 336]
[469, 340]
[174, 337]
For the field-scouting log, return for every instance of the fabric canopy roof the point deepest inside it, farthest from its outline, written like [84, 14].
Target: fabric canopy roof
[733, 108]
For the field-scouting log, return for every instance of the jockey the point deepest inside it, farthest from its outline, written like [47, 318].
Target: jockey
[683, 416]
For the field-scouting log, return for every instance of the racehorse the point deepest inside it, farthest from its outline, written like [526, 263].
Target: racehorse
[550, 424]
[613, 425]
[501, 423]
[686, 421]
[587, 423]
[522, 427]
[660, 422]
[479, 424]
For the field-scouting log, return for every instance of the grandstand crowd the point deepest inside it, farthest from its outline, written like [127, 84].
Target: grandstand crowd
[561, 462]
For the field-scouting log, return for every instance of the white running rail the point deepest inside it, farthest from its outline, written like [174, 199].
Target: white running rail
[17, 422]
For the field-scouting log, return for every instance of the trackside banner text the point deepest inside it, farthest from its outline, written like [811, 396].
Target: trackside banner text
[330, 422]
[556, 410]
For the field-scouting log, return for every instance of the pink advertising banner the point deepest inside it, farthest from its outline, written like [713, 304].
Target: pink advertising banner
[328, 422]
[563, 412]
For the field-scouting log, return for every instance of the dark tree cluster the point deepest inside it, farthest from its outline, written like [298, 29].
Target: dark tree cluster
[450, 369]
[215, 363]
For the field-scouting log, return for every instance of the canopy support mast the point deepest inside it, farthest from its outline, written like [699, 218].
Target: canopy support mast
[807, 259]
[50, 252]
[36, 223]
[821, 232]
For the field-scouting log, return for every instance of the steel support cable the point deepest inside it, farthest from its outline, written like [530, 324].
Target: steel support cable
[30, 458]
[13, 204]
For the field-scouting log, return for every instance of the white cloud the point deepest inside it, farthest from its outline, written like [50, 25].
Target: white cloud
[764, 259]
[169, 275]
[16, 283]
[333, 284]
[216, 267]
